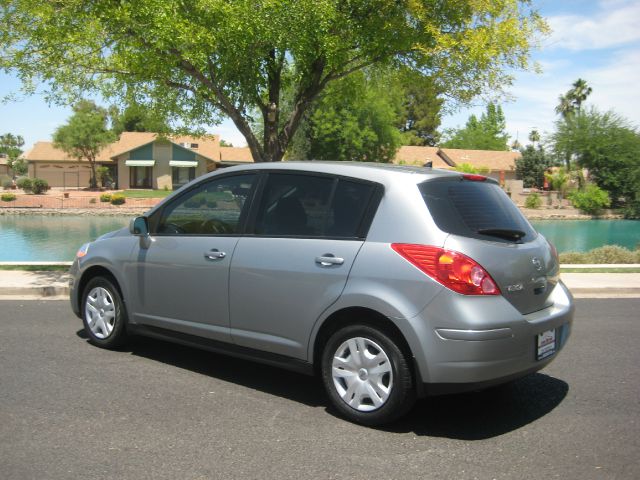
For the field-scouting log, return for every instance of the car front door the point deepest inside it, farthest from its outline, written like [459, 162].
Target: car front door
[181, 275]
[306, 234]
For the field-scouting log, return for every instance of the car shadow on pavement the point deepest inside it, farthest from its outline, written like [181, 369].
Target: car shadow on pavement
[274, 381]
[485, 414]
[468, 416]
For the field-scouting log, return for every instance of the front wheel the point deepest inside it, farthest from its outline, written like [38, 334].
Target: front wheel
[367, 376]
[103, 313]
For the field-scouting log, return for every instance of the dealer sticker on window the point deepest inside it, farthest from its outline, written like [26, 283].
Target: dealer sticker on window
[546, 344]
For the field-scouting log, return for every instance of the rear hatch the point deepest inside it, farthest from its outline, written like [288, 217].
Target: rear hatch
[484, 224]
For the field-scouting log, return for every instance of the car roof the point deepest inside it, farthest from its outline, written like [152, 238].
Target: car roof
[363, 170]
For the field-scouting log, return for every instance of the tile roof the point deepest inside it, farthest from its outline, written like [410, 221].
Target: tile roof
[235, 154]
[45, 151]
[413, 155]
[495, 160]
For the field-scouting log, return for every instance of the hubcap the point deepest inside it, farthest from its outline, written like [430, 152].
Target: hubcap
[100, 312]
[362, 374]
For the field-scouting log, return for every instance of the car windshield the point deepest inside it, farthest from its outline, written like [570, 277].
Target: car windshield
[475, 209]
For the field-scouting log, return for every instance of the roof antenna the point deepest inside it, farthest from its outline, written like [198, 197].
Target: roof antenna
[429, 164]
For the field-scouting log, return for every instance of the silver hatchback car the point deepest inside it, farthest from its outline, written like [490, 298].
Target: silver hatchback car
[389, 282]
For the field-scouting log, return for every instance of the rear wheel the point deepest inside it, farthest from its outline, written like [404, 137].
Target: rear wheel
[367, 376]
[103, 313]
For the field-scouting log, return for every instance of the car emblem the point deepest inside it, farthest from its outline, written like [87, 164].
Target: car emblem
[537, 263]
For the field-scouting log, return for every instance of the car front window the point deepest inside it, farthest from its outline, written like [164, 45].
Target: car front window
[214, 207]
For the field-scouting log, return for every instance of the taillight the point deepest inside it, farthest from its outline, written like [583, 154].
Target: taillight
[474, 178]
[452, 269]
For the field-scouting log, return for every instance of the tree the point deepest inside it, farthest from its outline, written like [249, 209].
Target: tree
[11, 145]
[201, 60]
[532, 165]
[355, 120]
[488, 133]
[224, 143]
[420, 114]
[534, 137]
[571, 102]
[136, 117]
[579, 93]
[608, 146]
[85, 134]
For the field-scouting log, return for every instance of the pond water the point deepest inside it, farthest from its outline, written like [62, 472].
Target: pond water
[585, 235]
[57, 238]
[28, 238]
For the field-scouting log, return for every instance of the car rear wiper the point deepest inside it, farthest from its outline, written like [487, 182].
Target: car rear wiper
[506, 233]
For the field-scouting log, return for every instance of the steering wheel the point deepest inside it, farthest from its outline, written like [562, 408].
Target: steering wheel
[213, 225]
[172, 228]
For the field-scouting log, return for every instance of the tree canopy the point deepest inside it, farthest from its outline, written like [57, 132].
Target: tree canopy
[532, 165]
[356, 120]
[11, 145]
[202, 59]
[136, 117]
[607, 145]
[85, 134]
[488, 133]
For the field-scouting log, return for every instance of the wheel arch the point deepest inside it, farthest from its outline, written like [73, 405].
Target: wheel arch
[358, 315]
[93, 272]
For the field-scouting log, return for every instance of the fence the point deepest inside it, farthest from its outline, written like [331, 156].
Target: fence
[61, 201]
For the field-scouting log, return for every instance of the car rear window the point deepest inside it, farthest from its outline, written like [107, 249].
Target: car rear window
[475, 209]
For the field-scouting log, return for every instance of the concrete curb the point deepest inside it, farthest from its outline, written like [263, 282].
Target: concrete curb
[55, 285]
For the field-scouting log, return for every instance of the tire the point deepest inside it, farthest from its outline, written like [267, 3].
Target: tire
[103, 313]
[373, 388]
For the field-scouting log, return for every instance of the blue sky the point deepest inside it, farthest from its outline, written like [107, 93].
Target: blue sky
[598, 41]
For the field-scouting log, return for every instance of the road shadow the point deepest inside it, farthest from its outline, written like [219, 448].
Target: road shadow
[469, 416]
[274, 381]
[485, 414]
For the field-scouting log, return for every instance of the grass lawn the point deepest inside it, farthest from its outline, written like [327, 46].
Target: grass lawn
[146, 193]
[37, 268]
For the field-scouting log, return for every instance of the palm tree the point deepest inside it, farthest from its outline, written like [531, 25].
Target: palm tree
[579, 93]
[565, 108]
[534, 137]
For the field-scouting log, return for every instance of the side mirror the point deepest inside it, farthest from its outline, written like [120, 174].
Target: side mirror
[139, 226]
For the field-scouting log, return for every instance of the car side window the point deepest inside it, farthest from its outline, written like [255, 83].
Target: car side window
[212, 208]
[312, 206]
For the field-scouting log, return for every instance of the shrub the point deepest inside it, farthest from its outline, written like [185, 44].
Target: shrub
[39, 185]
[105, 197]
[591, 200]
[117, 199]
[24, 183]
[609, 254]
[533, 201]
[8, 197]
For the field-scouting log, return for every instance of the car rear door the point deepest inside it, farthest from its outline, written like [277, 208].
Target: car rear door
[306, 232]
[486, 225]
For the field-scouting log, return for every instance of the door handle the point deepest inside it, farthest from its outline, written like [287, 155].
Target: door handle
[329, 259]
[214, 254]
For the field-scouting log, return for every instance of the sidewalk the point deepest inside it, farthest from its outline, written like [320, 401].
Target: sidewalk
[55, 285]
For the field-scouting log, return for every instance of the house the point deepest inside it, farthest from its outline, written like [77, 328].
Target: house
[235, 156]
[4, 164]
[147, 160]
[501, 164]
[135, 160]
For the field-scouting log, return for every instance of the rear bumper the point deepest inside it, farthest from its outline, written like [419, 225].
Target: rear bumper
[468, 343]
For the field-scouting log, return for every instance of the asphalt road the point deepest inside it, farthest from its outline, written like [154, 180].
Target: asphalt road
[69, 410]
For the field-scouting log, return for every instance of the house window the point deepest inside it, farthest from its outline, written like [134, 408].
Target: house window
[140, 177]
[182, 175]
